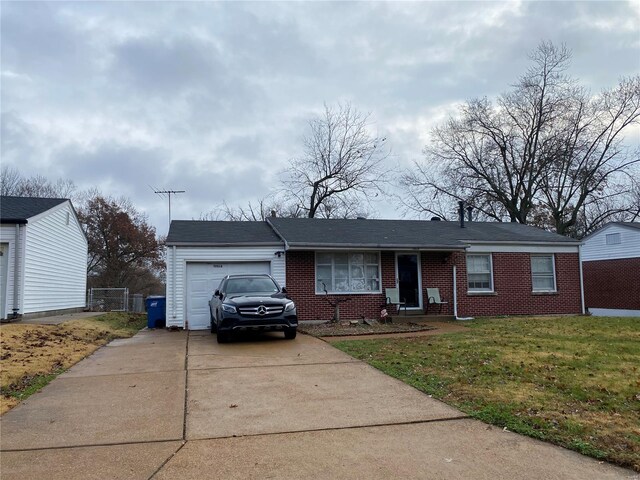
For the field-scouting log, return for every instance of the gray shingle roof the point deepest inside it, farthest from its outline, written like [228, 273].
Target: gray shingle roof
[221, 233]
[318, 233]
[21, 209]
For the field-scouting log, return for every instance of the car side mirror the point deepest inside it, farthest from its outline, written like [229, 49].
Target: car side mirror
[284, 290]
[216, 293]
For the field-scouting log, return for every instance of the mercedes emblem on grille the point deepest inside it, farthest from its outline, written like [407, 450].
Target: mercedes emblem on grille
[262, 310]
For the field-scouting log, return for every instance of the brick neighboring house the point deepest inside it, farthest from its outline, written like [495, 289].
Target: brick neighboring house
[500, 268]
[611, 270]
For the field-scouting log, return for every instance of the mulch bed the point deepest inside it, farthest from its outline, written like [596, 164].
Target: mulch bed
[346, 328]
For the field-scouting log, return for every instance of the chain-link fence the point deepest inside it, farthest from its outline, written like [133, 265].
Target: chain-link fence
[108, 299]
[115, 300]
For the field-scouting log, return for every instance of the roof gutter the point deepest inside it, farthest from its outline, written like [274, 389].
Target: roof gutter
[519, 242]
[14, 221]
[225, 244]
[375, 246]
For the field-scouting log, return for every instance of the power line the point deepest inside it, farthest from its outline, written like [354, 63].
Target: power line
[168, 193]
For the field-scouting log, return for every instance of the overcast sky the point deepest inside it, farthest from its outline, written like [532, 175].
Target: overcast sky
[213, 98]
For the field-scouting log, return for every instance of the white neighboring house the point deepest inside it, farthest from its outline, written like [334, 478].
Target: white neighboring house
[201, 253]
[43, 257]
[611, 270]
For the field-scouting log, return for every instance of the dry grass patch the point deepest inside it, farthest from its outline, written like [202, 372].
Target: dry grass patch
[32, 355]
[573, 381]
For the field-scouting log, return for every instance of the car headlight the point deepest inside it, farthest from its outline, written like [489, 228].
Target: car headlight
[289, 306]
[229, 308]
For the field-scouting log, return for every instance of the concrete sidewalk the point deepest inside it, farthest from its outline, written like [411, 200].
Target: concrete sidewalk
[171, 405]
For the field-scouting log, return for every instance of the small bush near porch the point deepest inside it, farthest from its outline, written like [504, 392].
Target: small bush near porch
[572, 381]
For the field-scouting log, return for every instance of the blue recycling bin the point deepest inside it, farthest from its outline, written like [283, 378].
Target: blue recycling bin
[156, 306]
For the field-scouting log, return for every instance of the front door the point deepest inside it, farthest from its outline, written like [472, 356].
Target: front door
[408, 270]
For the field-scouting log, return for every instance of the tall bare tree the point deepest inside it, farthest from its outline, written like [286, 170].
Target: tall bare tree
[13, 183]
[342, 164]
[253, 211]
[546, 152]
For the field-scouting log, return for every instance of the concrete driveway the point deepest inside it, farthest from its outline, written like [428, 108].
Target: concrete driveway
[169, 405]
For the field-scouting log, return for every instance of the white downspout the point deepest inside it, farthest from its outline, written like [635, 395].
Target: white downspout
[455, 297]
[173, 283]
[581, 280]
[16, 273]
[455, 293]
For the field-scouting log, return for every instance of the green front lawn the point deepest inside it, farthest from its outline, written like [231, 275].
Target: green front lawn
[572, 381]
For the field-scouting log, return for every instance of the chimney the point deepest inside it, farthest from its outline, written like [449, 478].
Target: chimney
[461, 213]
[273, 214]
[469, 213]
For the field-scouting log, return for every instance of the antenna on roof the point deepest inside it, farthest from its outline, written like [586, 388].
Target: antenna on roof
[168, 193]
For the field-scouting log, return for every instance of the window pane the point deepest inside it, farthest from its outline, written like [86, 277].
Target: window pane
[543, 283]
[541, 264]
[357, 258]
[479, 281]
[357, 285]
[372, 272]
[341, 285]
[478, 263]
[357, 271]
[324, 258]
[371, 258]
[342, 271]
[341, 258]
[320, 287]
[323, 271]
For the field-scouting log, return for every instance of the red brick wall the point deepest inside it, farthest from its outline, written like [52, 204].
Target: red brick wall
[612, 283]
[513, 290]
[511, 276]
[311, 306]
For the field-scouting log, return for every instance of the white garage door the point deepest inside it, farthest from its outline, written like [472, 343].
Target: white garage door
[203, 279]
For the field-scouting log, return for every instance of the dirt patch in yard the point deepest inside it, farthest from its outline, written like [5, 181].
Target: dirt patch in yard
[360, 328]
[32, 355]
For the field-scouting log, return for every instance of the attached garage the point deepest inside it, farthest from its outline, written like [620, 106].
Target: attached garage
[204, 278]
[200, 254]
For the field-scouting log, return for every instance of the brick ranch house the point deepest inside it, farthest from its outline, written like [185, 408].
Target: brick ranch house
[500, 268]
[611, 267]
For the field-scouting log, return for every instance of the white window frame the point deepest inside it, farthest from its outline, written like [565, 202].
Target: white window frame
[481, 290]
[553, 270]
[348, 252]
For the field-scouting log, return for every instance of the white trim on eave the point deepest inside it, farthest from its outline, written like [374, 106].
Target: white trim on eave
[522, 247]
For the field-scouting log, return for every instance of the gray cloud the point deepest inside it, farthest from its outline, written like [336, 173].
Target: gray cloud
[214, 98]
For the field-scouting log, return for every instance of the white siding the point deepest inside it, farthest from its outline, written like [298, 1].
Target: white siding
[8, 237]
[176, 297]
[55, 262]
[596, 248]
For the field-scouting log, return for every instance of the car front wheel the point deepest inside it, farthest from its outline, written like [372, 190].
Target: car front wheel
[213, 323]
[290, 333]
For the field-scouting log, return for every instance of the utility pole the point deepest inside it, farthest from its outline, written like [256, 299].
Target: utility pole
[168, 193]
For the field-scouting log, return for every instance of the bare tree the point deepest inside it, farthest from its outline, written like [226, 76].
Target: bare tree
[10, 181]
[253, 211]
[14, 184]
[342, 164]
[544, 153]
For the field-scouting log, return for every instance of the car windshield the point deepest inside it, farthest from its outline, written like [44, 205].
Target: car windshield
[251, 285]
